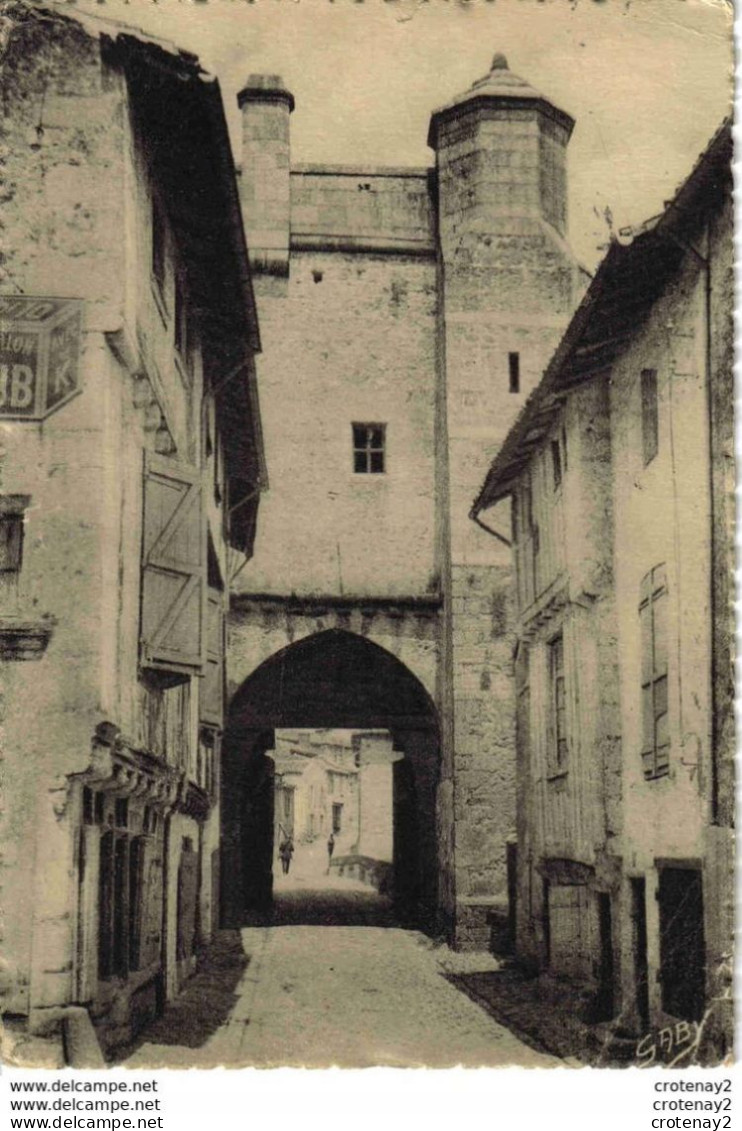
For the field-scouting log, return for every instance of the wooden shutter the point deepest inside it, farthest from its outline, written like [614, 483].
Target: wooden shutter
[660, 647]
[558, 744]
[212, 686]
[653, 614]
[647, 671]
[11, 542]
[173, 568]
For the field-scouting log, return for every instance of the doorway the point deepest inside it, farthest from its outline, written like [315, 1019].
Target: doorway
[682, 947]
[605, 997]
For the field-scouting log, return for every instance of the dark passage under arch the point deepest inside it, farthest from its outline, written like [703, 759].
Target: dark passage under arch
[333, 679]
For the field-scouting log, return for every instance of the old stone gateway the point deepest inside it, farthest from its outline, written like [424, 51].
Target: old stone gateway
[335, 667]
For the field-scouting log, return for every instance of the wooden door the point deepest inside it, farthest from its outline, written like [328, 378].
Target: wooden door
[682, 948]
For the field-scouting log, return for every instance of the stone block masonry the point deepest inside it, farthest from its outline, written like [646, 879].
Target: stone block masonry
[426, 303]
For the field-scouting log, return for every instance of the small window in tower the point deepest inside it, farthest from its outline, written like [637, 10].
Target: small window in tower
[369, 448]
[514, 372]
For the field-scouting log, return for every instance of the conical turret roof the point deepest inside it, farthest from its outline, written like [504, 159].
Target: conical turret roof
[498, 86]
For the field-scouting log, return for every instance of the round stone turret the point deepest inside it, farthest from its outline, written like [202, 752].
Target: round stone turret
[502, 89]
[500, 151]
[501, 156]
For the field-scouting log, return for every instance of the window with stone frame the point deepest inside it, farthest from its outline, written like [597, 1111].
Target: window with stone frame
[369, 449]
[12, 518]
[558, 741]
[11, 542]
[120, 887]
[653, 618]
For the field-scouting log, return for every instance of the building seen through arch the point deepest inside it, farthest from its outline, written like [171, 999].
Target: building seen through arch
[382, 758]
[384, 610]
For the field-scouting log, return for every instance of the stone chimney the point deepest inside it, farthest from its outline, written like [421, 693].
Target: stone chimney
[266, 166]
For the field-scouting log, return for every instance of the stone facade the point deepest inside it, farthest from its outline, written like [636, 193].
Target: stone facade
[425, 301]
[618, 472]
[112, 715]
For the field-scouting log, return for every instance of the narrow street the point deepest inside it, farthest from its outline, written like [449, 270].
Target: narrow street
[351, 996]
[316, 989]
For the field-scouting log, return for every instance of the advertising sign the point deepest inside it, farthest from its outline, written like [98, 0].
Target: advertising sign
[39, 355]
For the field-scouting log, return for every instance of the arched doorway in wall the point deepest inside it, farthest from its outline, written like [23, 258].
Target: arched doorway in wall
[331, 680]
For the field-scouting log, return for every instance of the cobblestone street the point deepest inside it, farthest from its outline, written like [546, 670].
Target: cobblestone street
[321, 995]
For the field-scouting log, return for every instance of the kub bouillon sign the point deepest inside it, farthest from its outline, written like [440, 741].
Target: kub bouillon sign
[39, 355]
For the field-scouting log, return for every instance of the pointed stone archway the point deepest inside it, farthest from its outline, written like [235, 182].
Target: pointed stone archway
[331, 679]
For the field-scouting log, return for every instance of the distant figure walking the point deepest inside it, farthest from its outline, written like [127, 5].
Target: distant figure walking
[286, 851]
[330, 850]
